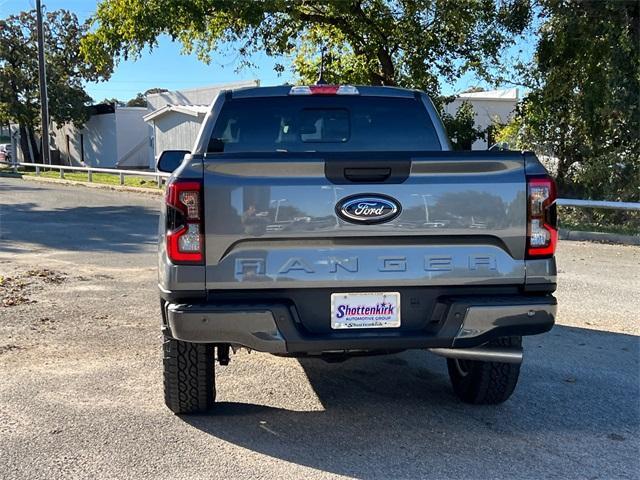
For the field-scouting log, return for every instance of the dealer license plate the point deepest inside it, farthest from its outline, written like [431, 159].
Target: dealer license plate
[365, 310]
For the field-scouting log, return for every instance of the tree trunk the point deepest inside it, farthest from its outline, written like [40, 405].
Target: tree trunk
[25, 145]
[375, 79]
[387, 69]
[35, 146]
[561, 174]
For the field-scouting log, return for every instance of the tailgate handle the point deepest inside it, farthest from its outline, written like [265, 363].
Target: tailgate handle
[367, 174]
[361, 167]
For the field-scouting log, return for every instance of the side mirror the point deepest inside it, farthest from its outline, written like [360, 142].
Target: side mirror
[170, 160]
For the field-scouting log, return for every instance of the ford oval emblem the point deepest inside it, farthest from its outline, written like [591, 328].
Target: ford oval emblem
[368, 208]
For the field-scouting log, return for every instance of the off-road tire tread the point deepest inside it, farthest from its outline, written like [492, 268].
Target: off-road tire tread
[488, 383]
[189, 376]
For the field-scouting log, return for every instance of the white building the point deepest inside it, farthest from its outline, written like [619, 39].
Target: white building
[113, 137]
[175, 117]
[133, 137]
[491, 108]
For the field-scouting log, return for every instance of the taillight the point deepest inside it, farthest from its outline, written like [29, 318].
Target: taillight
[184, 221]
[542, 232]
[324, 90]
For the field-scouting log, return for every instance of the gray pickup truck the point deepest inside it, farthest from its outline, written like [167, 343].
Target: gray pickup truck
[332, 221]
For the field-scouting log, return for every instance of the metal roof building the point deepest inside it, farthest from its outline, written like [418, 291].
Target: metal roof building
[125, 137]
[112, 137]
[175, 117]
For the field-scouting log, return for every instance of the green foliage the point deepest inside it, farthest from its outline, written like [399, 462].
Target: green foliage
[140, 100]
[510, 133]
[151, 91]
[599, 220]
[114, 101]
[341, 65]
[66, 69]
[408, 43]
[584, 107]
[461, 127]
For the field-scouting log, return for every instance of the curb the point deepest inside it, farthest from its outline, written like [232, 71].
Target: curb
[579, 235]
[103, 186]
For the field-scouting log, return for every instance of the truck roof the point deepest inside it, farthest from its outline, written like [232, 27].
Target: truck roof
[363, 90]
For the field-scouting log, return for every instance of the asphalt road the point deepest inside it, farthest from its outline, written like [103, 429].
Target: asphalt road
[80, 377]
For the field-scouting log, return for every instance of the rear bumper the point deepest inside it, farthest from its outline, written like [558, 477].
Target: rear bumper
[274, 327]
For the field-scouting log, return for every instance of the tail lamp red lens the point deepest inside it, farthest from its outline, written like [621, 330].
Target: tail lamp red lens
[324, 90]
[542, 232]
[184, 222]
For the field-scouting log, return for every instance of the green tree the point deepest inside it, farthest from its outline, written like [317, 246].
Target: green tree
[66, 71]
[151, 91]
[584, 106]
[410, 43]
[510, 133]
[115, 101]
[461, 127]
[140, 100]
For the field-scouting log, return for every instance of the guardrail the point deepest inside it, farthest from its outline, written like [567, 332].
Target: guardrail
[564, 202]
[570, 202]
[159, 176]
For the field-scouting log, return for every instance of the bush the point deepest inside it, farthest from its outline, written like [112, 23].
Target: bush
[626, 222]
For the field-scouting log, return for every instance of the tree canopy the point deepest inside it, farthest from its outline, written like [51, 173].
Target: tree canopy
[140, 100]
[584, 105]
[114, 101]
[410, 43]
[461, 127]
[66, 70]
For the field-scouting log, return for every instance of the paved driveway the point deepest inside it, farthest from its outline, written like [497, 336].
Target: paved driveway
[80, 379]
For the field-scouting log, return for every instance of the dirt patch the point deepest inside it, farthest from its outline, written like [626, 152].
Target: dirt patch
[46, 275]
[16, 289]
[9, 348]
[13, 291]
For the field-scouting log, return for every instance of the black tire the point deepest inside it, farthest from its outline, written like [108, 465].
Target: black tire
[189, 376]
[485, 383]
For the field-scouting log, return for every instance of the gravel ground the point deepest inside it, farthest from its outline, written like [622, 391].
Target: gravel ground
[80, 378]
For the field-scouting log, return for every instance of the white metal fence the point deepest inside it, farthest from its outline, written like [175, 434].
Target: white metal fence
[570, 202]
[39, 167]
[160, 176]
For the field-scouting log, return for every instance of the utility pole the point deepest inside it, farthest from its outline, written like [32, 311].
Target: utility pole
[42, 76]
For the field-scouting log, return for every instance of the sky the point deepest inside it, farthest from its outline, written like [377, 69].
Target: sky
[166, 67]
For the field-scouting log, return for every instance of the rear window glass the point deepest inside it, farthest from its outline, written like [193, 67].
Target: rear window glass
[323, 124]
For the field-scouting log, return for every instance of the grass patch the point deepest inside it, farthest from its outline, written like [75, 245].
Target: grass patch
[103, 178]
[8, 172]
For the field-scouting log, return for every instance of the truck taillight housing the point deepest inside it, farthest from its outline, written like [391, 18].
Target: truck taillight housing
[324, 90]
[185, 226]
[542, 232]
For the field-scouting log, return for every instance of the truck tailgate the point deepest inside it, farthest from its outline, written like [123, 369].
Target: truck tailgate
[271, 221]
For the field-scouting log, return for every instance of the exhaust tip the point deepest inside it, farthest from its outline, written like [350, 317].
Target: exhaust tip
[481, 354]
